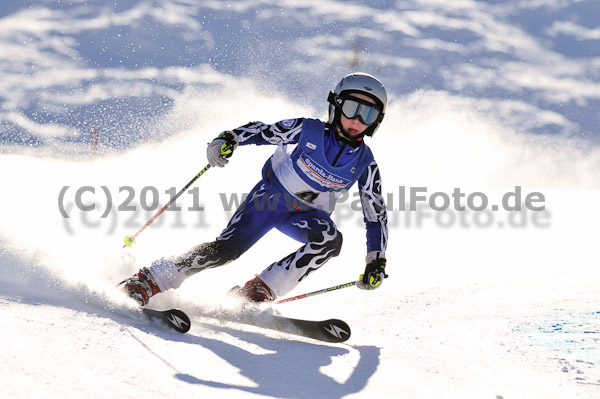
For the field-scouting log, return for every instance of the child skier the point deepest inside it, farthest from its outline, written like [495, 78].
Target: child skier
[313, 163]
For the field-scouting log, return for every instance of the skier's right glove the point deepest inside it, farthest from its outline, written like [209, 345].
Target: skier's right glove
[374, 272]
[221, 148]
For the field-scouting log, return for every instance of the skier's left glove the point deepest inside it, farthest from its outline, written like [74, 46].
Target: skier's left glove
[221, 148]
[374, 272]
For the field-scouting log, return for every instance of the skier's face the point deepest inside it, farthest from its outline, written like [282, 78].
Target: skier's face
[354, 127]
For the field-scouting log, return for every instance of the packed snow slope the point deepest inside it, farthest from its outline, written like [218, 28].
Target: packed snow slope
[479, 304]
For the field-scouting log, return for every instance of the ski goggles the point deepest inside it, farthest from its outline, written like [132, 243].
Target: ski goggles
[352, 108]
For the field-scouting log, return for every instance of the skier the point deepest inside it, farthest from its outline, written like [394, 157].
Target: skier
[312, 165]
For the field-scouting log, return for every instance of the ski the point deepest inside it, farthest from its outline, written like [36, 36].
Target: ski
[332, 330]
[172, 318]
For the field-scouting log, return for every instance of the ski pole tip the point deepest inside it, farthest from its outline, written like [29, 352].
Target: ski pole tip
[129, 241]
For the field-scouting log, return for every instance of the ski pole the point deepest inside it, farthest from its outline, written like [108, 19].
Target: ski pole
[130, 240]
[226, 150]
[334, 288]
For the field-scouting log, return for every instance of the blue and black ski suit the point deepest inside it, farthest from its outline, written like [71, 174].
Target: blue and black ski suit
[300, 186]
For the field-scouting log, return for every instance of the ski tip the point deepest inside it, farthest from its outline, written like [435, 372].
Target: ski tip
[337, 330]
[173, 318]
[179, 321]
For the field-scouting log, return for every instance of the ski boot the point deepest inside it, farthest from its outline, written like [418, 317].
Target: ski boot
[141, 286]
[256, 290]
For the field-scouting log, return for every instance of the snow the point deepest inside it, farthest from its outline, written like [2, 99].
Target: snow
[477, 305]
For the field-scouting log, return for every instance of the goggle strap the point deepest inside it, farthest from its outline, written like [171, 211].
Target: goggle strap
[334, 99]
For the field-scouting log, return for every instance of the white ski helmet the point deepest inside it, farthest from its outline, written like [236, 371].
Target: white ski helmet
[362, 83]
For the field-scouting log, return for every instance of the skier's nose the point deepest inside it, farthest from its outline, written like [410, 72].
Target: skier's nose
[356, 123]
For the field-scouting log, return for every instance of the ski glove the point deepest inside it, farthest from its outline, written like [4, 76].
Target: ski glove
[374, 272]
[221, 148]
